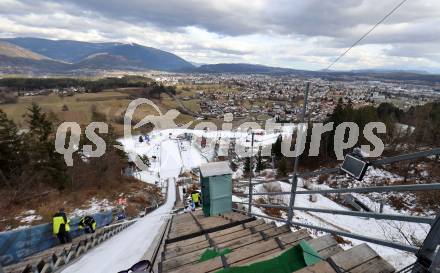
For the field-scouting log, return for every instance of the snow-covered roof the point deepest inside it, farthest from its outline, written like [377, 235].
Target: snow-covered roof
[215, 168]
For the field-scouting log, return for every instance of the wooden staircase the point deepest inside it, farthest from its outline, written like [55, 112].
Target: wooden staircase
[252, 240]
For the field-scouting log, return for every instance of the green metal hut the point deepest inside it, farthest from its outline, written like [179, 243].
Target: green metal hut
[216, 182]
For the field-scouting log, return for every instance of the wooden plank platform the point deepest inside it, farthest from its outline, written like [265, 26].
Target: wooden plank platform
[219, 241]
[200, 238]
[191, 225]
[252, 240]
[191, 257]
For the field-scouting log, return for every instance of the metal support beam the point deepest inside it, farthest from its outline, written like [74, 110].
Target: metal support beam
[402, 247]
[379, 162]
[416, 155]
[435, 264]
[382, 216]
[264, 205]
[251, 171]
[281, 179]
[396, 188]
[374, 215]
[432, 241]
[295, 166]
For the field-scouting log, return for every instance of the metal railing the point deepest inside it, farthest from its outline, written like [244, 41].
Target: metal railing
[426, 254]
[56, 261]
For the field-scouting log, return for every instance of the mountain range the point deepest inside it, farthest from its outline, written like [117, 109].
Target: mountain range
[44, 56]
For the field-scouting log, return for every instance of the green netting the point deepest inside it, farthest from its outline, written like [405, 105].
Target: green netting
[295, 258]
[311, 256]
[212, 253]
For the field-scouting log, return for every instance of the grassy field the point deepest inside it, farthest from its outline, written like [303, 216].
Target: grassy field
[193, 105]
[112, 104]
[78, 106]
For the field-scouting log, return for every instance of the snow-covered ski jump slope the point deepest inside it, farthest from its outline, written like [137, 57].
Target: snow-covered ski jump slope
[128, 247]
[171, 157]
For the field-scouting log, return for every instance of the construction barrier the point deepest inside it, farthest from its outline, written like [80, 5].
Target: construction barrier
[18, 244]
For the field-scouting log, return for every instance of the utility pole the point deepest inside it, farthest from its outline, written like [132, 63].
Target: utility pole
[250, 176]
[295, 166]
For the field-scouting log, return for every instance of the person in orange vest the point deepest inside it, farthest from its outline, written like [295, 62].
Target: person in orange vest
[61, 227]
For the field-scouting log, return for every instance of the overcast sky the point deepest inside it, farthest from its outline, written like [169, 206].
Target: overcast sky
[305, 34]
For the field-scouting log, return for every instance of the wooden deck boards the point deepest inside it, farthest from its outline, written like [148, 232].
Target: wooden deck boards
[172, 260]
[288, 240]
[215, 234]
[321, 267]
[195, 224]
[326, 246]
[252, 241]
[249, 252]
[376, 264]
[355, 256]
[359, 259]
[244, 240]
[191, 226]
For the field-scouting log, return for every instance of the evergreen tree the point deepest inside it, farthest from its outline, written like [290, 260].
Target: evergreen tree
[282, 167]
[260, 165]
[426, 120]
[12, 150]
[247, 166]
[39, 124]
[346, 113]
[276, 147]
[44, 160]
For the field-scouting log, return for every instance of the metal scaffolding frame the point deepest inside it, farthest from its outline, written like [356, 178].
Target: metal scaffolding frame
[427, 254]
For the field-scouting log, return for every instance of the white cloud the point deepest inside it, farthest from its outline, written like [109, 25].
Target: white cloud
[306, 34]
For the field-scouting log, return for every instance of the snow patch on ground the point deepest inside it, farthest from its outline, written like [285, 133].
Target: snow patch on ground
[27, 218]
[94, 206]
